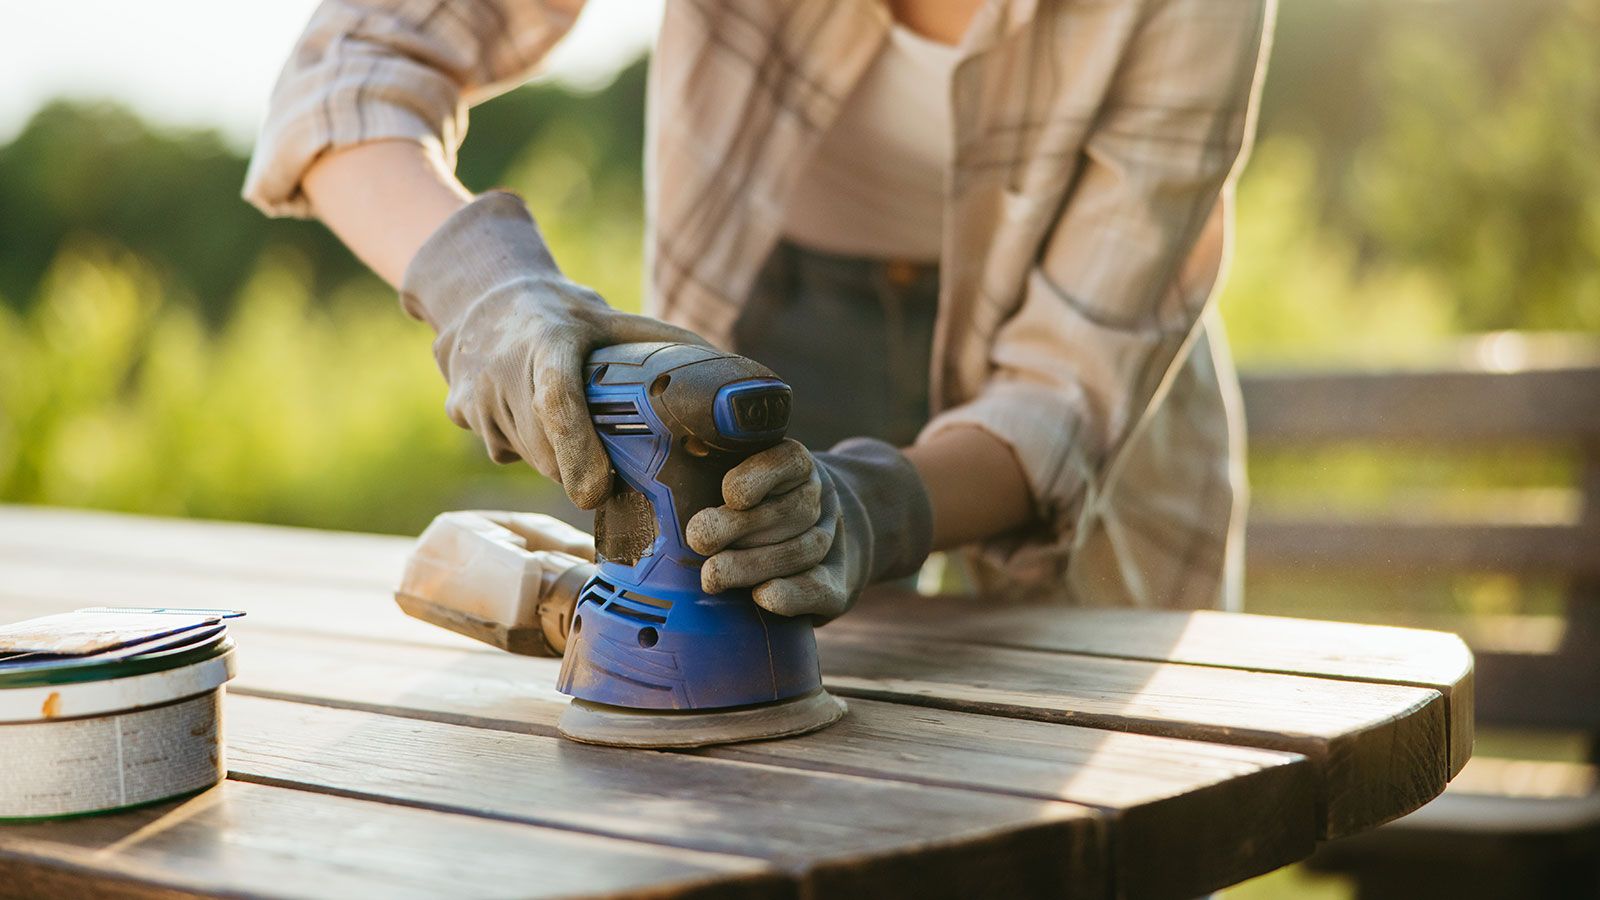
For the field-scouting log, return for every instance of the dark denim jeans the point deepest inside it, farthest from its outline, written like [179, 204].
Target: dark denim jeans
[852, 336]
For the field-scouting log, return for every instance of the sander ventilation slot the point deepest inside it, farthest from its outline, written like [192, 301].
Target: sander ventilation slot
[619, 606]
[618, 417]
[635, 606]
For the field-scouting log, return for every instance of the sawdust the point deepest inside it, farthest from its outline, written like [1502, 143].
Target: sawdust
[624, 527]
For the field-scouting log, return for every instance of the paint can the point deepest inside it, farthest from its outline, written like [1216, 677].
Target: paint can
[109, 709]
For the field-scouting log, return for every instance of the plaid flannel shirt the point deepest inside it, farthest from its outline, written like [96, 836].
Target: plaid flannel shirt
[1086, 230]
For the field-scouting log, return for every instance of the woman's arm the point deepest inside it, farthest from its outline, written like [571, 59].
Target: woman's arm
[383, 199]
[809, 531]
[366, 72]
[975, 485]
[1113, 300]
[362, 132]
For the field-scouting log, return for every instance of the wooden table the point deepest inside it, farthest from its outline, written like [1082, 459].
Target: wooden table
[1010, 752]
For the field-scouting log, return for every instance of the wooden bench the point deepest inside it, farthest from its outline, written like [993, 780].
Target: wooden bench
[1504, 828]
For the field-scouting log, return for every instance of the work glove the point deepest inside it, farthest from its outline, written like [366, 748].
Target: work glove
[810, 531]
[513, 334]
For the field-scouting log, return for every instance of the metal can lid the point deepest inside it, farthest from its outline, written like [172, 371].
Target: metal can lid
[103, 643]
[119, 685]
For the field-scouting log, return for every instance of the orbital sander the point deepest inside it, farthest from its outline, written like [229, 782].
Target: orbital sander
[650, 659]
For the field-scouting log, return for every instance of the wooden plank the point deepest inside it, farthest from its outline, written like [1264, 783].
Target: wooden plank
[1408, 862]
[1381, 750]
[1329, 545]
[1540, 690]
[1527, 778]
[1371, 653]
[58, 585]
[152, 544]
[247, 840]
[1457, 406]
[840, 835]
[1505, 828]
[1216, 813]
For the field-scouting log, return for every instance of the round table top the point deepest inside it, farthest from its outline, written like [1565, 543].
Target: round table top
[989, 751]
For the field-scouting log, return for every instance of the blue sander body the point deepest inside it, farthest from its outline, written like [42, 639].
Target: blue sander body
[652, 660]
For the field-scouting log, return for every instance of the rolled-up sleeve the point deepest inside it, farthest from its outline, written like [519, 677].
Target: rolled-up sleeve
[369, 70]
[1115, 296]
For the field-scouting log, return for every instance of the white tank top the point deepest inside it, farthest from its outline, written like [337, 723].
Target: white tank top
[875, 186]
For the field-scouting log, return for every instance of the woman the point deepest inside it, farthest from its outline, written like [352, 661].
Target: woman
[984, 232]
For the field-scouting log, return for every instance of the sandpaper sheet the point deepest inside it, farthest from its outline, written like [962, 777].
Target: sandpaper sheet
[88, 632]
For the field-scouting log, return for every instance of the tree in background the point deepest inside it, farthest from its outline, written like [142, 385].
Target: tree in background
[1489, 177]
[82, 169]
[1455, 139]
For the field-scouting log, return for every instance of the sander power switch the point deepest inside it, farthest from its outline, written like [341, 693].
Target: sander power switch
[753, 410]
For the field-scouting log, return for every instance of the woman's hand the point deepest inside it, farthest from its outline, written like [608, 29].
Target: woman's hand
[513, 337]
[513, 331]
[809, 532]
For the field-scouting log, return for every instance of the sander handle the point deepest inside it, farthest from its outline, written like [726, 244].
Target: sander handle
[674, 420]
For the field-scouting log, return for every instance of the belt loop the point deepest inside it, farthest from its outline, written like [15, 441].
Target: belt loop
[900, 273]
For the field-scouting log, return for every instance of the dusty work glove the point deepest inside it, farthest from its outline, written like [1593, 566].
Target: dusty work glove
[513, 334]
[809, 531]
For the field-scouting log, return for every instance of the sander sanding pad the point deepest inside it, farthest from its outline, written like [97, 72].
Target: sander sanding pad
[613, 726]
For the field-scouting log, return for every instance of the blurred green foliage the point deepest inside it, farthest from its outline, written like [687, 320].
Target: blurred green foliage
[292, 411]
[1423, 169]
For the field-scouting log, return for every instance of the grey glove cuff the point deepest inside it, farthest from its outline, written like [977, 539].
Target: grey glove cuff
[481, 246]
[880, 491]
